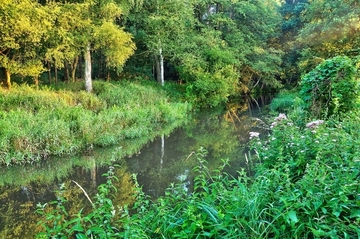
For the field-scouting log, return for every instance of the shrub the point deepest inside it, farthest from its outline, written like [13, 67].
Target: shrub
[331, 88]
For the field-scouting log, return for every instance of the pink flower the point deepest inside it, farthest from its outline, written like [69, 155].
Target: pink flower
[314, 124]
[278, 119]
[281, 117]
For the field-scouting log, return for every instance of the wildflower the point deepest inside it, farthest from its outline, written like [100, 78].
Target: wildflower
[278, 119]
[281, 117]
[316, 141]
[302, 136]
[314, 124]
[254, 135]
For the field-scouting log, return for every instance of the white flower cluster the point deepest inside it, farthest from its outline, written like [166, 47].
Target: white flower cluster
[254, 135]
[278, 119]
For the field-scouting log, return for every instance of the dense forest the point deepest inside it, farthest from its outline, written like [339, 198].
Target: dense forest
[214, 49]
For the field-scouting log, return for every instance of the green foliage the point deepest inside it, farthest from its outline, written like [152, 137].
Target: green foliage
[330, 28]
[284, 102]
[23, 28]
[331, 88]
[211, 88]
[312, 178]
[97, 224]
[305, 186]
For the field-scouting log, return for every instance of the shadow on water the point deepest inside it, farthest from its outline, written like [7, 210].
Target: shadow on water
[165, 159]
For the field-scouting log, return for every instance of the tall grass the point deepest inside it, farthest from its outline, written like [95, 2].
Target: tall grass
[37, 123]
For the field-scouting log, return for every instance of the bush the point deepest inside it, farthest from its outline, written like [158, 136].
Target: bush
[331, 88]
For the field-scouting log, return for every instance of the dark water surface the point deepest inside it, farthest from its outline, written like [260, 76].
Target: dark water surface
[167, 159]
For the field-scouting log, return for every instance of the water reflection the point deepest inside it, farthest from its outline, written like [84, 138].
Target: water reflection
[167, 158]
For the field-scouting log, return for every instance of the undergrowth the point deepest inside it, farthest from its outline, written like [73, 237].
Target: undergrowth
[37, 123]
[306, 186]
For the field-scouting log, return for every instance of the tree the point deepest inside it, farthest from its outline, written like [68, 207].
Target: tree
[331, 27]
[158, 30]
[291, 11]
[23, 26]
[102, 32]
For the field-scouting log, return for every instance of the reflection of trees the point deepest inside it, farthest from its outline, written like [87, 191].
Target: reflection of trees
[22, 187]
[223, 134]
[18, 218]
[17, 204]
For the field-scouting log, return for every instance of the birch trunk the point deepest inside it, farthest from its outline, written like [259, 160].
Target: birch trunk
[87, 59]
[162, 149]
[160, 68]
[36, 80]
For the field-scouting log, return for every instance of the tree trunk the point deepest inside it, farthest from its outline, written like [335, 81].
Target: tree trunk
[56, 74]
[49, 72]
[36, 81]
[87, 59]
[8, 78]
[73, 68]
[67, 75]
[160, 68]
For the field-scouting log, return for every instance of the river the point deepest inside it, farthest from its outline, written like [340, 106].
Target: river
[168, 158]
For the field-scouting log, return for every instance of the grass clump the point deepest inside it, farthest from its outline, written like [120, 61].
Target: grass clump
[37, 123]
[284, 101]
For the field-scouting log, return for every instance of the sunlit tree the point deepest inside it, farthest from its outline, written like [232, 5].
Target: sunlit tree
[23, 26]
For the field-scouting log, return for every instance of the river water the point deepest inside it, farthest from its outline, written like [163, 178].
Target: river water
[167, 159]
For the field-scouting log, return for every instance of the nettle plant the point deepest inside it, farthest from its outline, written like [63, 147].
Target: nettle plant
[312, 178]
[331, 88]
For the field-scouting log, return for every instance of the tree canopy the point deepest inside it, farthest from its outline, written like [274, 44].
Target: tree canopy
[215, 49]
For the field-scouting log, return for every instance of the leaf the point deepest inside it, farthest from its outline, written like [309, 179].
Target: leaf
[355, 213]
[81, 236]
[292, 216]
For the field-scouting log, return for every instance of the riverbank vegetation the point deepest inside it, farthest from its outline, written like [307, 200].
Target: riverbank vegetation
[38, 123]
[306, 185]
[306, 182]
